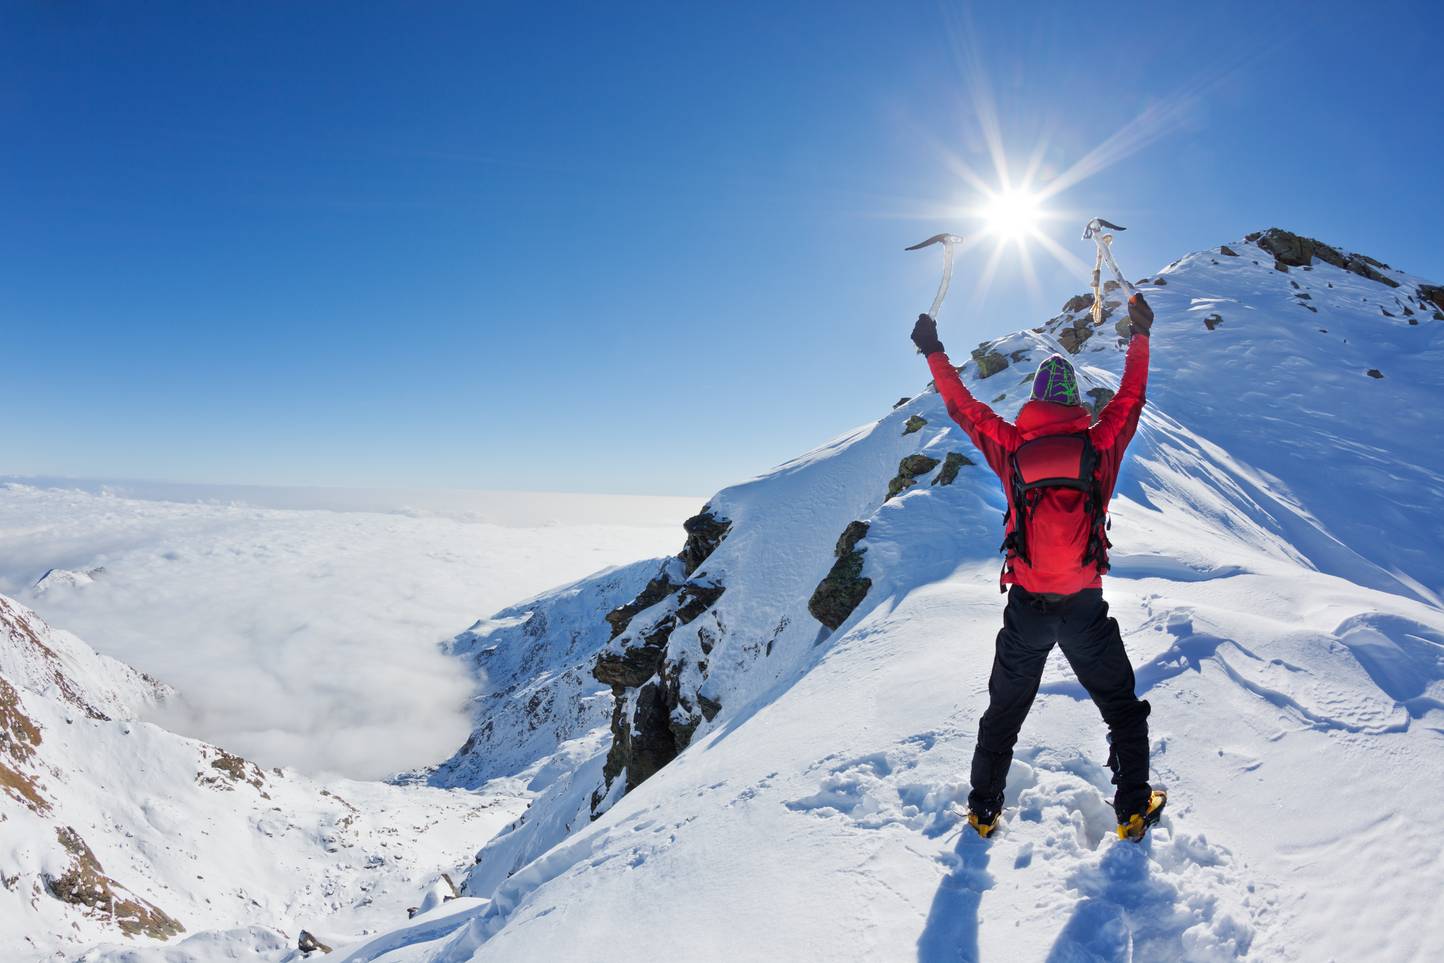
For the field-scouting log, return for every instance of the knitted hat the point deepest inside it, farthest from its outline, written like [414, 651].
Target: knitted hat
[1056, 382]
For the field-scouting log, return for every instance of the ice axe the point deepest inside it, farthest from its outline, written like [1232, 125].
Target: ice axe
[947, 241]
[1096, 231]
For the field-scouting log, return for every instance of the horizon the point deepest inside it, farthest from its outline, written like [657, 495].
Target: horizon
[468, 250]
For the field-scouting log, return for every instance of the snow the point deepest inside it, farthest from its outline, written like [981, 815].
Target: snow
[207, 838]
[1278, 584]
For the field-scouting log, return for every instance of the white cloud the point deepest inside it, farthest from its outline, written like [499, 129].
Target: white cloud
[307, 637]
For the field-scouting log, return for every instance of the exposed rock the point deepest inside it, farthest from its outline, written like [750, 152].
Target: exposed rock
[84, 884]
[309, 944]
[696, 598]
[1365, 267]
[1225, 249]
[952, 463]
[1299, 251]
[235, 769]
[709, 707]
[989, 362]
[1213, 321]
[656, 590]
[705, 532]
[650, 721]
[1434, 294]
[843, 588]
[651, 744]
[1101, 397]
[908, 471]
[1374, 373]
[1079, 302]
[628, 666]
[915, 423]
[1110, 286]
[19, 736]
[1124, 327]
[1161, 282]
[900, 402]
[1072, 338]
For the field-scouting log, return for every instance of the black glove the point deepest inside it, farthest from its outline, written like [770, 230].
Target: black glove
[925, 335]
[1140, 314]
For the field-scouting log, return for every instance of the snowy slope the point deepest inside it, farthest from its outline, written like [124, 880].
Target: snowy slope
[112, 828]
[1278, 578]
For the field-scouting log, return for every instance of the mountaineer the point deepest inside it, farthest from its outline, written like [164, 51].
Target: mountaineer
[1058, 472]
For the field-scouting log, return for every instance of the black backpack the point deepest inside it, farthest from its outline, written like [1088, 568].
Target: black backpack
[1055, 461]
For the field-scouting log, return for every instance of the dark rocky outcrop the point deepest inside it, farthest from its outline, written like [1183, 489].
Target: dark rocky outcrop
[656, 590]
[1434, 294]
[843, 588]
[234, 769]
[84, 883]
[900, 402]
[1295, 250]
[1225, 249]
[694, 598]
[1374, 373]
[915, 423]
[1101, 397]
[908, 471]
[1213, 321]
[307, 943]
[705, 532]
[652, 719]
[952, 464]
[1072, 338]
[989, 362]
[1077, 303]
[19, 735]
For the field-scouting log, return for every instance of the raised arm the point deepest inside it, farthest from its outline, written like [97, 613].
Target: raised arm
[994, 436]
[1119, 418]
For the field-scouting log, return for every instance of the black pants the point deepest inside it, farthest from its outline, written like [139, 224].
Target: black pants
[1090, 640]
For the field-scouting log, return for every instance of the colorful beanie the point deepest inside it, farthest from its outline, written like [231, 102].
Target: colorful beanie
[1056, 382]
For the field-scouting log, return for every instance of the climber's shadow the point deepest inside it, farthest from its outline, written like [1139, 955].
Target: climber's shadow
[951, 933]
[1125, 914]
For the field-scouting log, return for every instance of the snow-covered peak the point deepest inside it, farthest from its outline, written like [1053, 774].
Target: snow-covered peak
[794, 707]
[58, 666]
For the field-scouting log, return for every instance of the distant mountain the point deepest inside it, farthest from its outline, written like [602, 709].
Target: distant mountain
[112, 828]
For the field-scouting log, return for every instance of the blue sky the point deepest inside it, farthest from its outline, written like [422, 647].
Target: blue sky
[622, 248]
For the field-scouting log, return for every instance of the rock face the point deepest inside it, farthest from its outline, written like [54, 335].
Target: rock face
[307, 943]
[953, 462]
[1434, 294]
[989, 362]
[1101, 397]
[914, 423]
[908, 471]
[1295, 250]
[705, 532]
[844, 588]
[84, 883]
[653, 714]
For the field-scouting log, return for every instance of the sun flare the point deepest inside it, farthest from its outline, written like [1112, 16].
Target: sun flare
[1012, 214]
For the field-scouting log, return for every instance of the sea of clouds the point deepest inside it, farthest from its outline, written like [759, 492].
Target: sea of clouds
[308, 636]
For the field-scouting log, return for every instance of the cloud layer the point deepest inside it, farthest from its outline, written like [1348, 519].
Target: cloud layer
[305, 638]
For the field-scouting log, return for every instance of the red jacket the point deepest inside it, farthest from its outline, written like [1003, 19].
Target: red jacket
[1058, 524]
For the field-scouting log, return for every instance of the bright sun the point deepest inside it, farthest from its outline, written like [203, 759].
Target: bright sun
[1011, 214]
